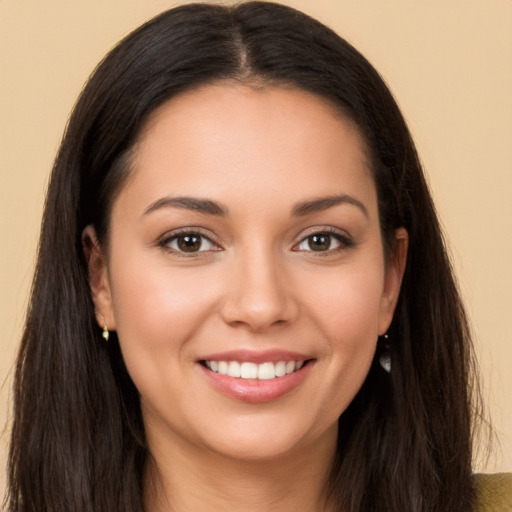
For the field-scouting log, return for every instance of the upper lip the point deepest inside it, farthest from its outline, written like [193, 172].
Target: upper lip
[253, 356]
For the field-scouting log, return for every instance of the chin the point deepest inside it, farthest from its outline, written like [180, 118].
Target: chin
[266, 440]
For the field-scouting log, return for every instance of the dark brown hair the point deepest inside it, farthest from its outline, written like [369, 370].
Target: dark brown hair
[78, 440]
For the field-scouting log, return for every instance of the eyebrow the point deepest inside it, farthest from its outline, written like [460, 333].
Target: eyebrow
[205, 206]
[209, 207]
[324, 203]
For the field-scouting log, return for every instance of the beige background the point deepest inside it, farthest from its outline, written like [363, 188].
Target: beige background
[449, 63]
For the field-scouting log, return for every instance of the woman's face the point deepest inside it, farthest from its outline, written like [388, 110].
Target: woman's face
[246, 241]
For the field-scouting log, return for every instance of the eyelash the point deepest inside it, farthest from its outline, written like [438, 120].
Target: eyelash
[345, 242]
[166, 240]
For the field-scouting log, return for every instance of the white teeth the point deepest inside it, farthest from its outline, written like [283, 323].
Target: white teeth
[234, 369]
[280, 369]
[266, 371]
[247, 370]
[223, 367]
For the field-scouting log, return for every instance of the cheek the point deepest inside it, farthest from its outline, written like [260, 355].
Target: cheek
[156, 307]
[347, 314]
[348, 306]
[158, 310]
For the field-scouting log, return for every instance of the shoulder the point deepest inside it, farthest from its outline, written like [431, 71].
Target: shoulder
[493, 492]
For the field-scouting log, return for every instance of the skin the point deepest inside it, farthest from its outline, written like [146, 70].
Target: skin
[257, 285]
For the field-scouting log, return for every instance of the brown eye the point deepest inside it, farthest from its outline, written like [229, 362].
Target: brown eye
[320, 242]
[323, 242]
[189, 243]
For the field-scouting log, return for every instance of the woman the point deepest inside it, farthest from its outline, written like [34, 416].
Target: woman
[242, 297]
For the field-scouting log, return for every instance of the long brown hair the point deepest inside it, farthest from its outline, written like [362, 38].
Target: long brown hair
[78, 441]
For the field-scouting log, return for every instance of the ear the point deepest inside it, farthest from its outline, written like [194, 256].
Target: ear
[98, 278]
[395, 268]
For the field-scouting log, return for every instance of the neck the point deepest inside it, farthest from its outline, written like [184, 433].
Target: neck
[180, 480]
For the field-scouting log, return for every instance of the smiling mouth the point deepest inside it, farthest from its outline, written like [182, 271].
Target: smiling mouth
[249, 370]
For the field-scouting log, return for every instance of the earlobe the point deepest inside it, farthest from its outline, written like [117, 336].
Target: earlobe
[394, 274]
[98, 278]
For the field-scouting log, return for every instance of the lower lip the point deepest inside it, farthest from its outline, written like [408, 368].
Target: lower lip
[255, 390]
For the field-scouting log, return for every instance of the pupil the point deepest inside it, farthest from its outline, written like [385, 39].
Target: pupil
[189, 243]
[319, 242]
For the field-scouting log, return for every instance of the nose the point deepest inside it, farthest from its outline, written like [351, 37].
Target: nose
[260, 295]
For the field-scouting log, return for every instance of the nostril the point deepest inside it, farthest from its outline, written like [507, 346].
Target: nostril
[259, 314]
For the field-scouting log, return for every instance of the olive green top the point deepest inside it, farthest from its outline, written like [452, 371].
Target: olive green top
[494, 492]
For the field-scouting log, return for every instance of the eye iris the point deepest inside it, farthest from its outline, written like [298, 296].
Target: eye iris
[189, 243]
[319, 242]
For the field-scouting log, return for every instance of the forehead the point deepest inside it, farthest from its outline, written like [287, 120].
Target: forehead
[251, 107]
[232, 140]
